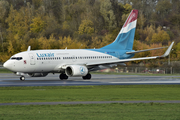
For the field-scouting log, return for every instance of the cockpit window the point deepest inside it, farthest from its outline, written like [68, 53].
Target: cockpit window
[16, 58]
[13, 58]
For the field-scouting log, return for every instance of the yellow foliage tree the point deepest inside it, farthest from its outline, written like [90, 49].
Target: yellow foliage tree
[107, 40]
[149, 31]
[4, 57]
[10, 47]
[127, 7]
[37, 25]
[33, 43]
[140, 46]
[96, 43]
[160, 37]
[18, 21]
[52, 42]
[23, 47]
[69, 43]
[156, 52]
[86, 27]
[177, 49]
[65, 25]
[141, 20]
[44, 43]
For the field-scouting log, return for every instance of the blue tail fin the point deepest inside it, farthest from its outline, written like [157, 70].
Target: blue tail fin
[125, 38]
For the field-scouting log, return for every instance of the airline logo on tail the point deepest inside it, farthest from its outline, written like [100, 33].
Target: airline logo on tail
[125, 38]
[130, 22]
[132, 17]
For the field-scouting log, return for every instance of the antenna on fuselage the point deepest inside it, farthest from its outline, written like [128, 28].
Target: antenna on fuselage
[29, 48]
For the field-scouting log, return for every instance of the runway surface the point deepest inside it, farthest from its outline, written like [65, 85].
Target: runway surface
[9, 79]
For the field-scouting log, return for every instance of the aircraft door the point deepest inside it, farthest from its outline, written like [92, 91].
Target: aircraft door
[32, 59]
[73, 58]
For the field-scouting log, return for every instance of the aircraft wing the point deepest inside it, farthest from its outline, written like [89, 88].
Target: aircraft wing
[134, 59]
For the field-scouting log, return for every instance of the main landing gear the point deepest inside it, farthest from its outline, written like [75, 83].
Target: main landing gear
[63, 76]
[87, 77]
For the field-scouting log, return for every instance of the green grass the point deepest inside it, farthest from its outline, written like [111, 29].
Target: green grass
[89, 93]
[114, 111]
[3, 70]
[140, 111]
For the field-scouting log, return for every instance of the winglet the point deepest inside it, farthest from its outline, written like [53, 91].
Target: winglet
[168, 50]
[29, 48]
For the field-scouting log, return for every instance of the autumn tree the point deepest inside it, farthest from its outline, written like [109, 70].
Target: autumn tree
[86, 27]
[69, 43]
[163, 8]
[18, 22]
[160, 37]
[4, 6]
[96, 43]
[107, 13]
[140, 46]
[37, 25]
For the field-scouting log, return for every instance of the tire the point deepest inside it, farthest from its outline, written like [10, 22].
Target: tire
[63, 77]
[87, 77]
[22, 78]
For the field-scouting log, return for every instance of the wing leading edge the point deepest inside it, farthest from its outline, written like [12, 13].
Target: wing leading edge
[134, 59]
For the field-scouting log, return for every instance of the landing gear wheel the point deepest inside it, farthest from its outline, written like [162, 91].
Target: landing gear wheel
[63, 76]
[22, 78]
[87, 77]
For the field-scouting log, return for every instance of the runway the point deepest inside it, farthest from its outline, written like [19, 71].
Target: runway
[9, 79]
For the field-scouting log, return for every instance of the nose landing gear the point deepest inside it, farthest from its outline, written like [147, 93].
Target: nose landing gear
[22, 78]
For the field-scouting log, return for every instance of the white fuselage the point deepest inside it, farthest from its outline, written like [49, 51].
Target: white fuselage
[53, 60]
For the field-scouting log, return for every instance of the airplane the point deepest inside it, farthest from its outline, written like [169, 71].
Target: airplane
[80, 62]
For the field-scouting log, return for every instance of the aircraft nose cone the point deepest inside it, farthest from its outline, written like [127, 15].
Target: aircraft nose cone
[7, 65]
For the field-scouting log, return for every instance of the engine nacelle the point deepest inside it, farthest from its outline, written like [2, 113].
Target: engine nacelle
[37, 74]
[76, 70]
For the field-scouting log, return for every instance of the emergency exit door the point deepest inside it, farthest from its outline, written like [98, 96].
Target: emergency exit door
[32, 59]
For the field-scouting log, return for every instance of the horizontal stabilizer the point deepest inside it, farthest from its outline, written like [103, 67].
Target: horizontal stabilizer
[145, 50]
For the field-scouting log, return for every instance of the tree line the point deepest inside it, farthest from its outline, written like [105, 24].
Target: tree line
[57, 24]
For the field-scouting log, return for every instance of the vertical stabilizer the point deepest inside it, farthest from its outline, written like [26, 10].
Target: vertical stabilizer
[125, 38]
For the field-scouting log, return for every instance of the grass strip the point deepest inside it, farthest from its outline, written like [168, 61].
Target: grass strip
[3, 70]
[89, 93]
[116, 111]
